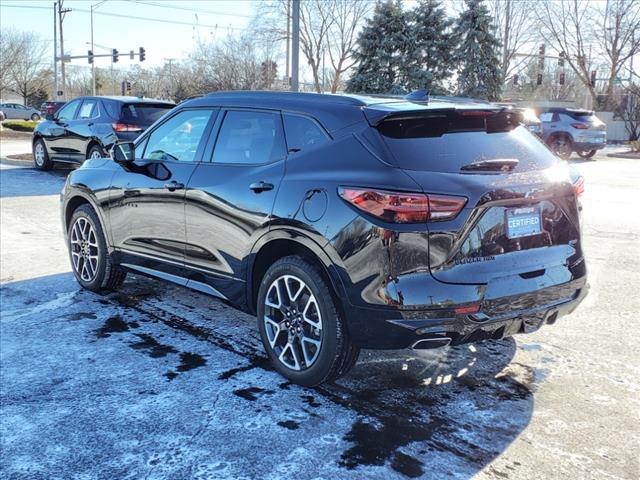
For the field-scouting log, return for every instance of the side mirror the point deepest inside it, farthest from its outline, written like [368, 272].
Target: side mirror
[123, 152]
[50, 116]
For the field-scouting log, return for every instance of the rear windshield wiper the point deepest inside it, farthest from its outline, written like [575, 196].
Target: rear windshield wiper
[496, 165]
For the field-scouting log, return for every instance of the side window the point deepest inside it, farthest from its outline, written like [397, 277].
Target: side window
[68, 112]
[249, 138]
[178, 138]
[556, 117]
[302, 133]
[546, 117]
[86, 111]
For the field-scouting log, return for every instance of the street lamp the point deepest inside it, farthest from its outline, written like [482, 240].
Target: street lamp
[93, 67]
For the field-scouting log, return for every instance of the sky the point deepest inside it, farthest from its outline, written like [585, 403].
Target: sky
[114, 26]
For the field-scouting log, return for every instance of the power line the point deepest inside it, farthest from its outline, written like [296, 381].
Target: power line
[197, 10]
[132, 17]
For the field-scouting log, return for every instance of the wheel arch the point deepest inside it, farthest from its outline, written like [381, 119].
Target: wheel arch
[71, 205]
[281, 243]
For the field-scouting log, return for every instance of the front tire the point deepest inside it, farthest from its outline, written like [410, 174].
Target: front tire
[41, 158]
[301, 329]
[586, 153]
[91, 262]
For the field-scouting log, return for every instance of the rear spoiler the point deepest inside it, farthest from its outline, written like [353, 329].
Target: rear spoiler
[435, 122]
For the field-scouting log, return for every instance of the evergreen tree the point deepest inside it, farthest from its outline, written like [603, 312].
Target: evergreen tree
[478, 53]
[380, 56]
[430, 56]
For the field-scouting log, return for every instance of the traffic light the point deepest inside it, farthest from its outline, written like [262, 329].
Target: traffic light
[541, 53]
[142, 54]
[114, 55]
[561, 59]
[593, 78]
[561, 80]
[539, 80]
[515, 79]
[128, 86]
[90, 56]
[542, 49]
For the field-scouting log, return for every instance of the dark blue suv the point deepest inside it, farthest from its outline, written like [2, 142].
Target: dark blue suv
[87, 127]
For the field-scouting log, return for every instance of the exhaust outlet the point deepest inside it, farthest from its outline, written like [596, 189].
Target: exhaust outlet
[428, 343]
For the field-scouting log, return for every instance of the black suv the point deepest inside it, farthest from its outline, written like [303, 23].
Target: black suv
[87, 127]
[342, 222]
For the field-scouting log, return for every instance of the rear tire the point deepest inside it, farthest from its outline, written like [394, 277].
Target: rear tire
[586, 153]
[561, 146]
[41, 158]
[91, 262]
[95, 151]
[301, 329]
[35, 117]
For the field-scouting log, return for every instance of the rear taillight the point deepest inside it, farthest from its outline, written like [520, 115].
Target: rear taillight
[125, 127]
[578, 187]
[580, 126]
[400, 207]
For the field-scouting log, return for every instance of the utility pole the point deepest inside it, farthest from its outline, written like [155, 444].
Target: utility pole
[61, 13]
[55, 50]
[288, 37]
[170, 60]
[295, 45]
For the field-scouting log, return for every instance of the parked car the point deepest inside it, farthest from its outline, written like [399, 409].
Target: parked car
[568, 130]
[16, 111]
[87, 127]
[342, 222]
[47, 109]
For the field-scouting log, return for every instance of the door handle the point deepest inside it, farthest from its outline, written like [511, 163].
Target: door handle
[173, 186]
[261, 186]
[131, 192]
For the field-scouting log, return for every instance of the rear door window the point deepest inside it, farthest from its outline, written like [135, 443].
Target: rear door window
[427, 145]
[249, 137]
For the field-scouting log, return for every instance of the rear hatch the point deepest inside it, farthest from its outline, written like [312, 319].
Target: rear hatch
[586, 126]
[143, 114]
[520, 222]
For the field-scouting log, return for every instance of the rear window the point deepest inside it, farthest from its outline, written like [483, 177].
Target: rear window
[143, 113]
[443, 145]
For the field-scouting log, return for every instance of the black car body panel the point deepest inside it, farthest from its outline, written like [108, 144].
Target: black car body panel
[211, 224]
[87, 121]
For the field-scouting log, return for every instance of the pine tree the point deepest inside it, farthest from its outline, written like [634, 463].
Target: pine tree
[380, 56]
[430, 56]
[477, 53]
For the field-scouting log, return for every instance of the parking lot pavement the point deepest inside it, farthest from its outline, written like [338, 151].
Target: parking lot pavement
[159, 382]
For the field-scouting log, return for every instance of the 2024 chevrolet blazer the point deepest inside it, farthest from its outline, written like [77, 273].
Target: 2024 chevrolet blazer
[341, 222]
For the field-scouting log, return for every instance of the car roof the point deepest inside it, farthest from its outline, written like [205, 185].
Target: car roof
[127, 99]
[334, 111]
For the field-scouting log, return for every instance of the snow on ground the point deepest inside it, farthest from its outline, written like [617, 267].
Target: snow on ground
[156, 381]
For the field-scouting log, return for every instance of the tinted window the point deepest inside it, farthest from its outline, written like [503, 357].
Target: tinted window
[86, 111]
[450, 151]
[143, 113]
[249, 138]
[112, 108]
[302, 132]
[68, 112]
[178, 138]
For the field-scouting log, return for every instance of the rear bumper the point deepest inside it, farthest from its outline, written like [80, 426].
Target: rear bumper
[589, 145]
[499, 318]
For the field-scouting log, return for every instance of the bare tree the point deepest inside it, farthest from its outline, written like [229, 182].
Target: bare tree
[576, 27]
[517, 30]
[347, 16]
[26, 79]
[629, 111]
[10, 47]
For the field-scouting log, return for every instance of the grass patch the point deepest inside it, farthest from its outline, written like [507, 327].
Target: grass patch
[20, 125]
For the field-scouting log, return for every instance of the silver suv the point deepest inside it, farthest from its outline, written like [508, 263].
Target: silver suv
[567, 130]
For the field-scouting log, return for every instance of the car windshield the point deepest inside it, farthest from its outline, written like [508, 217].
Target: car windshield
[143, 113]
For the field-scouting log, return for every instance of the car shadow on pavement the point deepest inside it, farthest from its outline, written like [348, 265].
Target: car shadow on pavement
[193, 374]
[16, 181]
